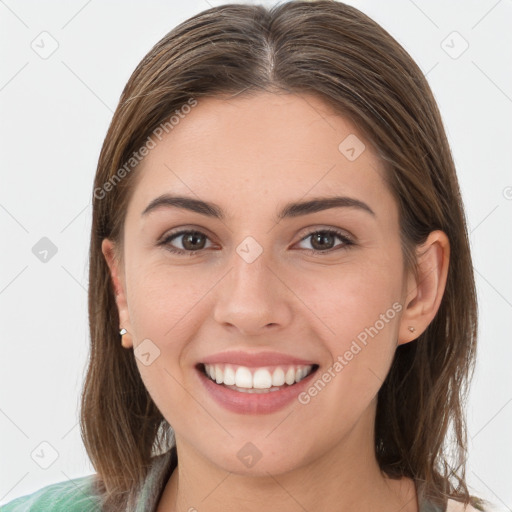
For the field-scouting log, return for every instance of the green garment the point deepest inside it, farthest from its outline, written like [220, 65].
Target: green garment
[71, 496]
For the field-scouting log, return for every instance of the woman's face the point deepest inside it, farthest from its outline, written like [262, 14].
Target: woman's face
[265, 296]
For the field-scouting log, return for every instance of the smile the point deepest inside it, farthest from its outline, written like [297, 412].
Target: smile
[256, 380]
[254, 390]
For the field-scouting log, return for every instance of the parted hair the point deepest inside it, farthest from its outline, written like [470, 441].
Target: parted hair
[357, 68]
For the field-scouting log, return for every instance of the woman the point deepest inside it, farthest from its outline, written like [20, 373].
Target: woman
[281, 294]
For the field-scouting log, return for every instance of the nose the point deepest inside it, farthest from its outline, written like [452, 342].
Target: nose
[253, 297]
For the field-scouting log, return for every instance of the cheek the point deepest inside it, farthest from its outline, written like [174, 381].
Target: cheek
[161, 300]
[361, 309]
[354, 297]
[161, 303]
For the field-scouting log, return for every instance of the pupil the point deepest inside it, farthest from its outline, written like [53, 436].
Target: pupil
[192, 239]
[322, 237]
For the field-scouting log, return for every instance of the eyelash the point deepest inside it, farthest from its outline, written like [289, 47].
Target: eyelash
[347, 242]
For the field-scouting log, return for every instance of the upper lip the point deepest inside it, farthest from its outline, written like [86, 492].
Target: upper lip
[255, 359]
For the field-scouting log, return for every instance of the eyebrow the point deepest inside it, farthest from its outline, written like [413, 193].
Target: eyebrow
[294, 209]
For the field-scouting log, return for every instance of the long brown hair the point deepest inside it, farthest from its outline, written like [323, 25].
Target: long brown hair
[339, 54]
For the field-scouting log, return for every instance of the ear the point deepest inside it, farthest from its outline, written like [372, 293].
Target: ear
[425, 291]
[117, 275]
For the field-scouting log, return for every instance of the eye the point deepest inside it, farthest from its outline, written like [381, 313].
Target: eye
[191, 242]
[323, 240]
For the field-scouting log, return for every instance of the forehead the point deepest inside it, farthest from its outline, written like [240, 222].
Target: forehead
[251, 150]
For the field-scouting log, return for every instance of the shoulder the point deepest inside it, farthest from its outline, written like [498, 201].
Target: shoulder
[480, 505]
[75, 495]
[452, 505]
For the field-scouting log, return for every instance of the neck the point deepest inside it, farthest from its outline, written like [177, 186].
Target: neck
[347, 478]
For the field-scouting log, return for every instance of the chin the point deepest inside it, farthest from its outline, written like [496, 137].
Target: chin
[255, 459]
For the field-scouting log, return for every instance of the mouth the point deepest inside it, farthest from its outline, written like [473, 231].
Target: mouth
[256, 380]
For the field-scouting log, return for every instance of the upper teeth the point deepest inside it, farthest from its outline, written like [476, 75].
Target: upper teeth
[258, 378]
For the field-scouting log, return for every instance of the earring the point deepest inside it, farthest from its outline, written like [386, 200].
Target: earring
[122, 332]
[411, 328]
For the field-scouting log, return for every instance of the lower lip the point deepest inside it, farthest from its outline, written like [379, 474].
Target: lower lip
[254, 403]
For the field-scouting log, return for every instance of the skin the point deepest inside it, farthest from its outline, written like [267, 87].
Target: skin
[251, 155]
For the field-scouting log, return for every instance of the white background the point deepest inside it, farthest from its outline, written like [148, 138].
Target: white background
[54, 116]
